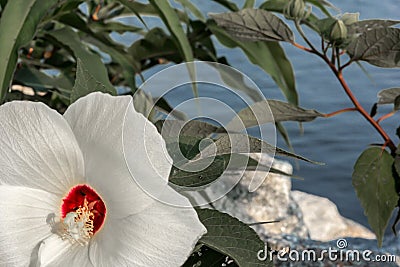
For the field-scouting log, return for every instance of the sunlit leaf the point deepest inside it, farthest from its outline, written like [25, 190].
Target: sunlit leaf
[231, 237]
[16, 31]
[254, 25]
[380, 47]
[375, 187]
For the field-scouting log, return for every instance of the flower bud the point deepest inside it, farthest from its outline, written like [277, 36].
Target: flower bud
[294, 9]
[350, 18]
[338, 32]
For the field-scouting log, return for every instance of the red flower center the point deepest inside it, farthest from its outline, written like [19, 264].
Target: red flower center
[84, 199]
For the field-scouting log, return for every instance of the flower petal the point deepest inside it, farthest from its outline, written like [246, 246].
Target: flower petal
[119, 146]
[38, 148]
[161, 235]
[57, 252]
[23, 222]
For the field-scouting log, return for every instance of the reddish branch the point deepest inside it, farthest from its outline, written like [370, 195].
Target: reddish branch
[357, 105]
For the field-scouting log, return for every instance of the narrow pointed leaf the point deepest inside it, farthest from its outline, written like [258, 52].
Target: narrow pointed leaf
[379, 47]
[269, 56]
[260, 113]
[90, 62]
[18, 24]
[241, 143]
[254, 25]
[231, 237]
[375, 187]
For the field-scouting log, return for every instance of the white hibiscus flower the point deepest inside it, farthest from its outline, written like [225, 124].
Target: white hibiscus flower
[67, 197]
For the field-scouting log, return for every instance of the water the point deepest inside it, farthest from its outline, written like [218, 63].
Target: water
[337, 141]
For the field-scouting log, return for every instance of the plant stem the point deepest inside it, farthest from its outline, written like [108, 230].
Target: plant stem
[384, 117]
[343, 83]
[360, 109]
[339, 112]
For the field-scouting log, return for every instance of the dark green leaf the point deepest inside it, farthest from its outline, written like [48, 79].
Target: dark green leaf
[85, 83]
[171, 20]
[254, 25]
[267, 55]
[114, 26]
[260, 113]
[195, 128]
[322, 5]
[40, 81]
[379, 47]
[18, 25]
[231, 237]
[375, 187]
[207, 257]
[90, 62]
[233, 143]
[208, 171]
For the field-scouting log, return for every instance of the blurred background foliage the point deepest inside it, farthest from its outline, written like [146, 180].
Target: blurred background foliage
[50, 36]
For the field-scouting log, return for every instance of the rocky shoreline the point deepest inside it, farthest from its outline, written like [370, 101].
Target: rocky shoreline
[306, 222]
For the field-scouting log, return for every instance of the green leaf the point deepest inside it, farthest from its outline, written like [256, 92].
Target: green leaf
[254, 25]
[171, 20]
[90, 62]
[362, 26]
[379, 47]
[169, 16]
[267, 55]
[228, 4]
[235, 80]
[38, 80]
[260, 113]
[192, 8]
[18, 24]
[193, 128]
[85, 83]
[375, 187]
[231, 237]
[234, 143]
[209, 172]
[249, 4]
[322, 5]
[390, 96]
